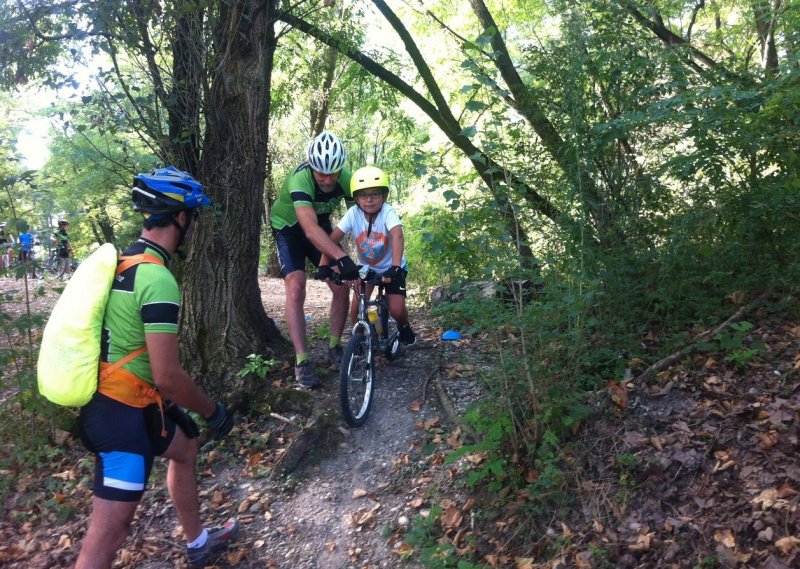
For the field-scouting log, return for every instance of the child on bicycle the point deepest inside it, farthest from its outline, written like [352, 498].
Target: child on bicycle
[378, 235]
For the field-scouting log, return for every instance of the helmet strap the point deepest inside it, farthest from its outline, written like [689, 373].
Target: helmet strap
[371, 217]
[183, 230]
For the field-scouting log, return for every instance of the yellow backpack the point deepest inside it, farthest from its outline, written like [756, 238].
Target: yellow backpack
[69, 357]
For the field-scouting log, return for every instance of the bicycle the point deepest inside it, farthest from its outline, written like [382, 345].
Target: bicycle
[53, 267]
[371, 331]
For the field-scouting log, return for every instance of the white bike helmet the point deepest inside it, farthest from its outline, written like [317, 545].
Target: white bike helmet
[326, 153]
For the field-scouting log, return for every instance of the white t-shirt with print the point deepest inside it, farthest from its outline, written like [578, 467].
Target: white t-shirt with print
[375, 249]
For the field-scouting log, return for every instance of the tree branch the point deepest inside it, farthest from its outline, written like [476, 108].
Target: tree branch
[490, 171]
[561, 152]
[671, 40]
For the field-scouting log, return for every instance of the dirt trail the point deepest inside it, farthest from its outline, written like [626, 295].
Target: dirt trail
[351, 496]
[327, 522]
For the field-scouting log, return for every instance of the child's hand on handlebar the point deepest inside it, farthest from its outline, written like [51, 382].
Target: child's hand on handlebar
[392, 273]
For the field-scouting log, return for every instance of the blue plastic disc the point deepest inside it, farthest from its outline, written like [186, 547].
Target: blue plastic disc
[451, 335]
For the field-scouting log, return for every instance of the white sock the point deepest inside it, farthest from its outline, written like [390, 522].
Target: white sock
[200, 541]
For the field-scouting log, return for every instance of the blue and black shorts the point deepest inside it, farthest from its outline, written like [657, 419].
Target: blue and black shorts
[125, 441]
[294, 247]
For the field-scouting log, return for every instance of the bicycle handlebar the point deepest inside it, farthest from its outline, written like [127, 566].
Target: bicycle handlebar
[371, 277]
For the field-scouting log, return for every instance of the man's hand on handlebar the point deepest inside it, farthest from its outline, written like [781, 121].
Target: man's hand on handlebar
[329, 274]
[323, 273]
[347, 268]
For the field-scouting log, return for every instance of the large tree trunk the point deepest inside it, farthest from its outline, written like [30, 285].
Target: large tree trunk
[187, 71]
[223, 318]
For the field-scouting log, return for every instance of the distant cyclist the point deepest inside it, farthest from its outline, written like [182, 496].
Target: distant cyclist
[300, 219]
[5, 249]
[134, 415]
[378, 235]
[63, 247]
[26, 250]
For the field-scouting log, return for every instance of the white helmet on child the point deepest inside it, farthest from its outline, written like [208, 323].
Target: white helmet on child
[326, 153]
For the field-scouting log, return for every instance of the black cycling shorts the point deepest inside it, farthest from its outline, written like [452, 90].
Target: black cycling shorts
[125, 441]
[398, 285]
[294, 248]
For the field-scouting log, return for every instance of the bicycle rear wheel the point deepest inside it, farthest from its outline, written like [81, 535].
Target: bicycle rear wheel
[356, 380]
[53, 267]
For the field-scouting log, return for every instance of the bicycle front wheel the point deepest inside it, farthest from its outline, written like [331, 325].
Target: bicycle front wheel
[53, 267]
[356, 380]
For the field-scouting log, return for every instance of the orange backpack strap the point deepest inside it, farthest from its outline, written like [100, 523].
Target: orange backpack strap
[126, 387]
[110, 368]
[128, 261]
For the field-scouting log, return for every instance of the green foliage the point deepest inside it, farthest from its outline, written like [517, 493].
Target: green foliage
[443, 246]
[322, 331]
[735, 336]
[424, 536]
[707, 562]
[258, 365]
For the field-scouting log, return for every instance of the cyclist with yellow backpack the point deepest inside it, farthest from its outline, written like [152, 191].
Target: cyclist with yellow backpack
[135, 416]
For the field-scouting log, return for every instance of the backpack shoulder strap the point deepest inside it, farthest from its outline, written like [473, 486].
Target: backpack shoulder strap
[128, 261]
[125, 263]
[109, 369]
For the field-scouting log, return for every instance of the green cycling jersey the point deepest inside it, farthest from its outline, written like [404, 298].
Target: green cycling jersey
[300, 189]
[144, 300]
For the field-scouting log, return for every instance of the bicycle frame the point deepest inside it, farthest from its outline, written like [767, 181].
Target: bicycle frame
[357, 374]
[385, 341]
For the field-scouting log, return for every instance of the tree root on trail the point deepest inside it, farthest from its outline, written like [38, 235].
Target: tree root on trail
[426, 381]
[672, 359]
[320, 423]
[444, 400]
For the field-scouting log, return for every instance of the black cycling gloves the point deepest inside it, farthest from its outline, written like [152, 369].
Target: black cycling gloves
[393, 272]
[220, 422]
[183, 420]
[324, 273]
[347, 268]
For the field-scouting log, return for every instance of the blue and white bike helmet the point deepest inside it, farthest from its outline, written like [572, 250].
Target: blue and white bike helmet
[326, 153]
[166, 191]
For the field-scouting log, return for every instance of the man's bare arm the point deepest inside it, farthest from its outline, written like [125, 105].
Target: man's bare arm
[170, 378]
[318, 237]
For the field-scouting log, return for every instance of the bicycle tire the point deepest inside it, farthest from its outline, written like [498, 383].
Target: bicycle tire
[392, 349]
[53, 267]
[356, 380]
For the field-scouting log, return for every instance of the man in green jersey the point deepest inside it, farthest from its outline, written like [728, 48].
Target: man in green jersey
[135, 416]
[300, 219]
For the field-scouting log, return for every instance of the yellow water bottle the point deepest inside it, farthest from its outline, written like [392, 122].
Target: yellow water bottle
[373, 318]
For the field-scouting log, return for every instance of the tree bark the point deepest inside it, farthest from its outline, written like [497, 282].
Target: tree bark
[223, 318]
[320, 109]
[764, 16]
[187, 70]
